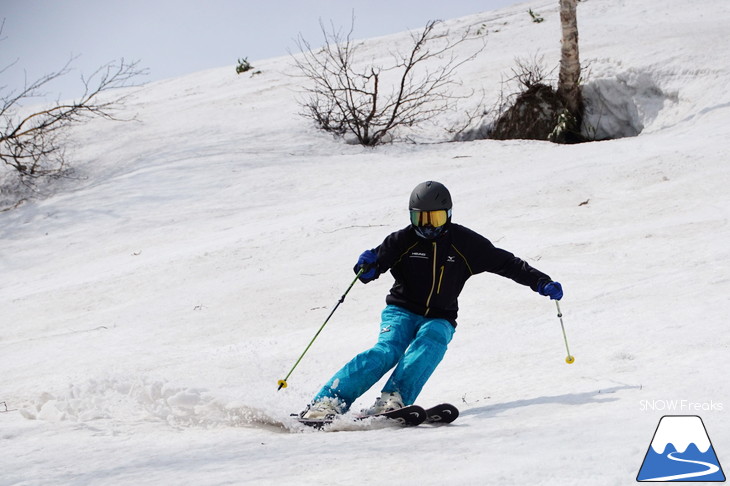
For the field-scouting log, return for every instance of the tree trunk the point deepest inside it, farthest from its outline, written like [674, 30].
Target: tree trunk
[568, 80]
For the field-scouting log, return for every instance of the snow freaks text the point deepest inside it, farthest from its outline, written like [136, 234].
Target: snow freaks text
[679, 406]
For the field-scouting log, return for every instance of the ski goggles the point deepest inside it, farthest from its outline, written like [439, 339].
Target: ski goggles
[430, 218]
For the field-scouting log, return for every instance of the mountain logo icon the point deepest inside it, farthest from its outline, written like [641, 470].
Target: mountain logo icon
[681, 451]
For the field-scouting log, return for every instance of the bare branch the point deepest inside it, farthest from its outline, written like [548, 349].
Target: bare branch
[32, 144]
[371, 102]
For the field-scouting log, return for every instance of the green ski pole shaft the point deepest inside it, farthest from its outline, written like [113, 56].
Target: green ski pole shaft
[283, 383]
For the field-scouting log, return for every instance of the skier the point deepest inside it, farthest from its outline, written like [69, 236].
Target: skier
[430, 259]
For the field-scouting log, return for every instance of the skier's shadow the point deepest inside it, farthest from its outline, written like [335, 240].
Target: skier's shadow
[598, 396]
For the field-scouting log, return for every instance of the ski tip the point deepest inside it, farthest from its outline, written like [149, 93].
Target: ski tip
[444, 413]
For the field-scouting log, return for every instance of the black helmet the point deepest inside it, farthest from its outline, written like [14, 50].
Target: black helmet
[430, 208]
[430, 196]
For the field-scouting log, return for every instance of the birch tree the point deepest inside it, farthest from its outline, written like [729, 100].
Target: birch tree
[541, 112]
[569, 90]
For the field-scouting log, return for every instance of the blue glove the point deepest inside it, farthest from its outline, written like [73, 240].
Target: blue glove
[368, 261]
[550, 289]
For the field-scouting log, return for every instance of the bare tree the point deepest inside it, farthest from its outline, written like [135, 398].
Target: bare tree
[32, 143]
[569, 90]
[369, 101]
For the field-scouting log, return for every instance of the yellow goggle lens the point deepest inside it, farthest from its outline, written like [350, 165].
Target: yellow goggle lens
[429, 218]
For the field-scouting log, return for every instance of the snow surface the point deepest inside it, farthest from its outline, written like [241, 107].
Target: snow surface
[150, 305]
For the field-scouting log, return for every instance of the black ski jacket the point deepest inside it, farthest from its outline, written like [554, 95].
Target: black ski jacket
[430, 274]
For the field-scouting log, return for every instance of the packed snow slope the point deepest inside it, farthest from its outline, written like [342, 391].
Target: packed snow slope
[151, 303]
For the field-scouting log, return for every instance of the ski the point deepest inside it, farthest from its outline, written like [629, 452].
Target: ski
[410, 415]
[314, 423]
[444, 413]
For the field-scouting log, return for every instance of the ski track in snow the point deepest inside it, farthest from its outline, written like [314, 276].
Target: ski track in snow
[145, 401]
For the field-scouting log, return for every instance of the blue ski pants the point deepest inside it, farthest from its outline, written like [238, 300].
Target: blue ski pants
[412, 343]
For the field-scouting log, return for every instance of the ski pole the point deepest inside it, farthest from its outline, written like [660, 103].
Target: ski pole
[283, 383]
[570, 359]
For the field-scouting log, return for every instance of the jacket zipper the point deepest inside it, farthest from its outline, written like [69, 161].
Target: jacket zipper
[441, 277]
[433, 281]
